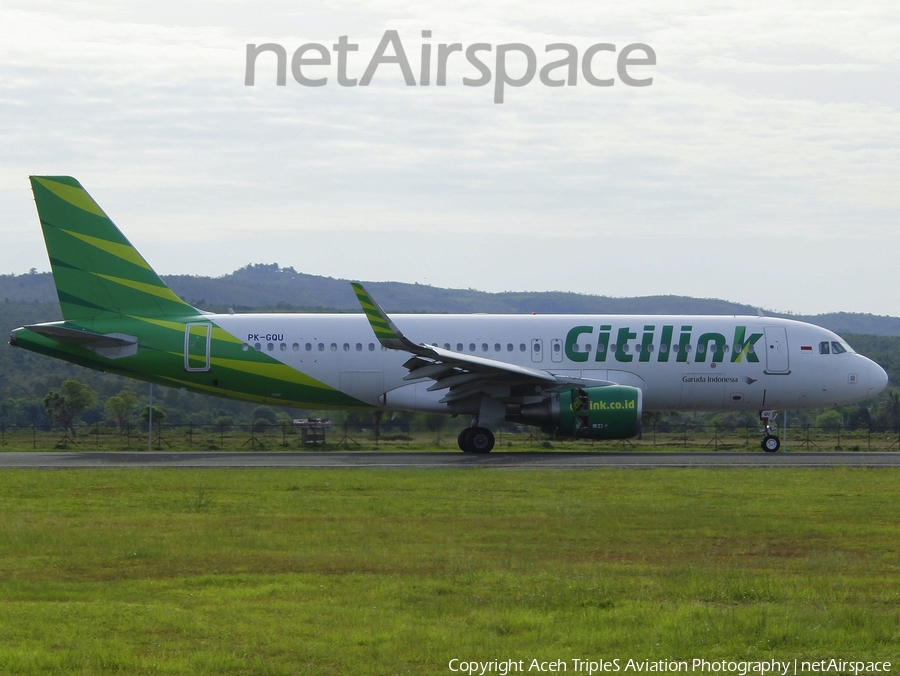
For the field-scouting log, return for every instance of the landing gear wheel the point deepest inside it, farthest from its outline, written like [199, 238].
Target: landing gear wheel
[770, 443]
[463, 439]
[480, 440]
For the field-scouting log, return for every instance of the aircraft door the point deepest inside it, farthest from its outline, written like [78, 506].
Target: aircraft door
[776, 350]
[556, 350]
[537, 350]
[196, 347]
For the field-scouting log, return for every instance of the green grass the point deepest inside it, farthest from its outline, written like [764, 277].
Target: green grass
[381, 572]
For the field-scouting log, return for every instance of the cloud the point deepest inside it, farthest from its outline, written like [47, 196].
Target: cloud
[764, 124]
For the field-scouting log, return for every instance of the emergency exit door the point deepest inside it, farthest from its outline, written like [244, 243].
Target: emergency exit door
[196, 347]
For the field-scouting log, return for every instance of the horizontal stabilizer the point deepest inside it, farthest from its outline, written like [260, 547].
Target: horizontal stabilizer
[111, 345]
[82, 337]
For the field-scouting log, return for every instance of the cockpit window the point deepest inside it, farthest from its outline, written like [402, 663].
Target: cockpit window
[837, 348]
[824, 347]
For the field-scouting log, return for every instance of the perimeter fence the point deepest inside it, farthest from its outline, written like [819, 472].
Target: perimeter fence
[285, 436]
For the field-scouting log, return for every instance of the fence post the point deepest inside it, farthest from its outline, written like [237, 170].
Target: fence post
[869, 438]
[839, 436]
[33, 435]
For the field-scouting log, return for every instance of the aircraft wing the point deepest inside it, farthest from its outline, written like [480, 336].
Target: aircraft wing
[464, 375]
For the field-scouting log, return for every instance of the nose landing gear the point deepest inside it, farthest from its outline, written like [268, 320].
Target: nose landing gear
[770, 442]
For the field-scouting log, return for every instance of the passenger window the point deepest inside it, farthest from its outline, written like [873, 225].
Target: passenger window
[321, 347]
[837, 348]
[663, 348]
[282, 347]
[459, 347]
[601, 348]
[484, 347]
[257, 347]
[556, 347]
[270, 346]
[245, 347]
[371, 347]
[496, 347]
[346, 347]
[626, 348]
[824, 347]
[471, 347]
[701, 348]
[295, 347]
[446, 346]
[751, 348]
[334, 347]
[359, 347]
[521, 347]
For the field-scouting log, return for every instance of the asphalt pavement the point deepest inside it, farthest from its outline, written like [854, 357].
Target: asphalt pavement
[503, 460]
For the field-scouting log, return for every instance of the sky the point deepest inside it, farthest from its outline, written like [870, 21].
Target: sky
[762, 165]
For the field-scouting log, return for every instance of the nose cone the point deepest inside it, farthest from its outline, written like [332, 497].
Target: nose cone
[876, 378]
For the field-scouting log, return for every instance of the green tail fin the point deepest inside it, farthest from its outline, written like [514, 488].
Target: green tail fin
[95, 268]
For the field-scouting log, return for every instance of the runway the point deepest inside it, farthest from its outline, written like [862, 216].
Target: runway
[375, 460]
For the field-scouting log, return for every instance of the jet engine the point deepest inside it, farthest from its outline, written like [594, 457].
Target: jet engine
[612, 412]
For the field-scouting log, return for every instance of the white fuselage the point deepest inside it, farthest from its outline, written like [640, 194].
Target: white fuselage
[699, 363]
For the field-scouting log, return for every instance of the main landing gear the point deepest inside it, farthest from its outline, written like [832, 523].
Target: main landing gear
[770, 442]
[476, 440]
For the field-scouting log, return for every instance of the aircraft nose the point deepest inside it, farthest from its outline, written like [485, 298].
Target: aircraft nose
[877, 378]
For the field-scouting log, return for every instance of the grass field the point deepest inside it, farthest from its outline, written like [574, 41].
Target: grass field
[384, 572]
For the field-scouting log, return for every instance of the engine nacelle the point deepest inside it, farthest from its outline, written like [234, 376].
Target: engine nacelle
[612, 412]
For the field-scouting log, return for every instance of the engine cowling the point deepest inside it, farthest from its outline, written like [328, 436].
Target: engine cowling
[612, 412]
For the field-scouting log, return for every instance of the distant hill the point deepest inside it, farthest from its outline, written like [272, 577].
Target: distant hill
[276, 288]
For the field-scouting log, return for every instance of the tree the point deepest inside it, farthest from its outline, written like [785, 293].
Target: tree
[120, 407]
[829, 420]
[859, 418]
[159, 416]
[64, 406]
[891, 408]
[264, 413]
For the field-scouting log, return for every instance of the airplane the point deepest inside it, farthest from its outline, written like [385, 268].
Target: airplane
[575, 376]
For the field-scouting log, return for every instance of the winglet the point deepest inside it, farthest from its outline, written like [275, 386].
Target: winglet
[385, 330]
